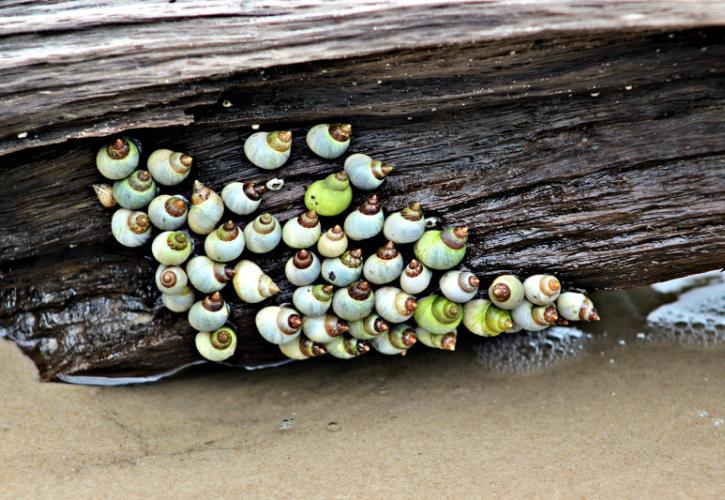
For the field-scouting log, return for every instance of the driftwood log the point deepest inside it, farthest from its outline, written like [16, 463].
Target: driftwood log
[570, 137]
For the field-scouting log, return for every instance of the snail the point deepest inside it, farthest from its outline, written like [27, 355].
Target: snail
[135, 191]
[343, 270]
[313, 300]
[243, 199]
[384, 266]
[209, 314]
[118, 159]
[332, 243]
[347, 348]
[171, 248]
[394, 305]
[483, 318]
[355, 302]
[104, 193]
[576, 306]
[278, 324]
[218, 345]
[302, 268]
[396, 341]
[406, 226]
[225, 243]
[323, 328]
[302, 231]
[168, 212]
[263, 234]
[415, 278]
[130, 228]
[444, 249]
[269, 150]
[169, 168]
[438, 315]
[206, 275]
[534, 318]
[251, 284]
[329, 196]
[171, 280]
[459, 286]
[365, 173]
[302, 348]
[445, 341]
[506, 291]
[329, 141]
[541, 289]
[179, 302]
[206, 209]
[366, 221]
[368, 328]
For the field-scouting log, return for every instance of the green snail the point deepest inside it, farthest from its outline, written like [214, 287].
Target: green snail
[444, 249]
[332, 243]
[330, 196]
[576, 307]
[130, 228]
[251, 283]
[347, 348]
[303, 348]
[278, 324]
[444, 341]
[168, 212]
[225, 243]
[406, 226]
[541, 289]
[243, 199]
[206, 275]
[302, 231]
[323, 328]
[118, 159]
[365, 173]
[303, 268]
[209, 314]
[438, 315]
[507, 292]
[483, 318]
[396, 341]
[533, 318]
[169, 168]
[369, 327]
[355, 302]
[394, 305]
[179, 302]
[343, 270]
[171, 280]
[415, 278]
[459, 286]
[104, 193]
[207, 208]
[172, 248]
[329, 141]
[269, 150]
[217, 345]
[263, 234]
[384, 266]
[366, 221]
[313, 300]
[135, 191]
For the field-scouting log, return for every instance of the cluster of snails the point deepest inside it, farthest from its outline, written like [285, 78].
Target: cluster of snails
[335, 308]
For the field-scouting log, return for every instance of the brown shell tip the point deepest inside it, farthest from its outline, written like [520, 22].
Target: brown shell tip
[328, 289]
[186, 160]
[294, 321]
[410, 304]
[501, 292]
[284, 135]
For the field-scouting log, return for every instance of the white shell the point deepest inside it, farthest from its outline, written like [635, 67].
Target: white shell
[533, 291]
[247, 279]
[314, 328]
[322, 144]
[389, 302]
[117, 169]
[307, 303]
[382, 344]
[522, 317]
[349, 309]
[180, 302]
[295, 235]
[200, 270]
[359, 226]
[181, 280]
[357, 167]
[451, 288]
[127, 197]
[381, 271]
[204, 217]
[331, 248]
[268, 321]
[292, 350]
[161, 218]
[260, 153]
[208, 351]
[400, 230]
[416, 284]
[222, 250]
[207, 321]
[237, 200]
[165, 255]
[262, 243]
[159, 164]
[569, 305]
[515, 287]
[302, 277]
[338, 274]
[122, 233]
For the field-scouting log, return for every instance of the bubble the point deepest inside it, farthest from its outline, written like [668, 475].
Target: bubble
[333, 426]
[287, 424]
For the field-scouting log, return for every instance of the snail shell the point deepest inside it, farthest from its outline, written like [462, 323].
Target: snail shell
[206, 209]
[332, 243]
[415, 278]
[323, 328]
[217, 345]
[533, 318]
[507, 292]
[459, 286]
[542, 289]
[347, 348]
[445, 341]
[302, 268]
[206, 275]
[369, 327]
[180, 302]
[396, 341]
[169, 168]
[343, 270]
[365, 222]
[224, 244]
[243, 199]
[302, 231]
[303, 348]
[329, 196]
[278, 325]
[406, 226]
[171, 280]
[313, 300]
[394, 305]
[135, 191]
[168, 212]
[483, 318]
[251, 284]
[329, 141]
[355, 302]
[209, 314]
[576, 307]
[444, 249]
[104, 193]
[171, 248]
[365, 173]
[131, 229]
[438, 315]
[269, 150]
[263, 234]
[384, 266]
[118, 159]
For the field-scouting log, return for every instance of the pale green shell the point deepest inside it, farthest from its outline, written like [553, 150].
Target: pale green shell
[433, 253]
[166, 255]
[123, 234]
[309, 305]
[302, 277]
[262, 242]
[251, 284]
[166, 167]
[202, 273]
[118, 169]
[208, 351]
[295, 235]
[400, 230]
[358, 168]
[359, 226]
[389, 304]
[433, 340]
[346, 348]
[571, 305]
[426, 318]
[204, 320]
[314, 328]
[128, 197]
[381, 271]
[516, 291]
[478, 315]
[293, 350]
[450, 285]
[221, 250]
[322, 144]
[180, 277]
[338, 274]
[260, 153]
[237, 200]
[350, 309]
[331, 248]
[416, 284]
[204, 217]
[383, 345]
[272, 324]
[522, 317]
[161, 218]
[180, 302]
[364, 329]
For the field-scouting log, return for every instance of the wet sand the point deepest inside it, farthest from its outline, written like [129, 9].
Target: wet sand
[634, 420]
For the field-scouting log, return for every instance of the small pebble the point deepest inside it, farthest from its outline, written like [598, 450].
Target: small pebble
[594, 94]
[287, 424]
[622, 342]
[627, 87]
[22, 135]
[702, 413]
[333, 426]
[611, 361]
[718, 422]
[226, 103]
[255, 126]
